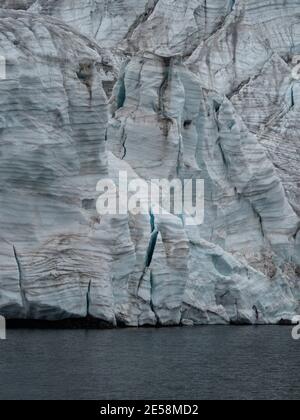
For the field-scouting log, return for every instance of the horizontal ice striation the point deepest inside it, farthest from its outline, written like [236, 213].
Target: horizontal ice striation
[16, 4]
[107, 21]
[204, 90]
[247, 39]
[165, 27]
[52, 120]
[177, 27]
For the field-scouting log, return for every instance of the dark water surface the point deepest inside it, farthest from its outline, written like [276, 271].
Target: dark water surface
[176, 363]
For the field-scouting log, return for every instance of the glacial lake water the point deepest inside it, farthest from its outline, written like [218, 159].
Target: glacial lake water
[175, 363]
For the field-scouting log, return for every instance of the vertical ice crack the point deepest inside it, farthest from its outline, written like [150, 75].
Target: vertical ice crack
[232, 5]
[147, 263]
[260, 220]
[162, 96]
[121, 94]
[151, 247]
[124, 139]
[151, 300]
[222, 153]
[292, 97]
[88, 298]
[149, 9]
[101, 16]
[22, 290]
[256, 311]
[164, 86]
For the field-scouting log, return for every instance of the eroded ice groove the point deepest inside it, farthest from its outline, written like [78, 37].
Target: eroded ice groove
[204, 89]
[165, 27]
[52, 154]
[273, 27]
[109, 22]
[16, 4]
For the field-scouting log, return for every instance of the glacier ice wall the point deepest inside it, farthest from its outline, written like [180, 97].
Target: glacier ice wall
[160, 89]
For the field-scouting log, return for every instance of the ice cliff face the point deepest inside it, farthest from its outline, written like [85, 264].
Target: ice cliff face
[161, 89]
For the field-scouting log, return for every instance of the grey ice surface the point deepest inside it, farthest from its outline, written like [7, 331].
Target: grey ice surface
[161, 89]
